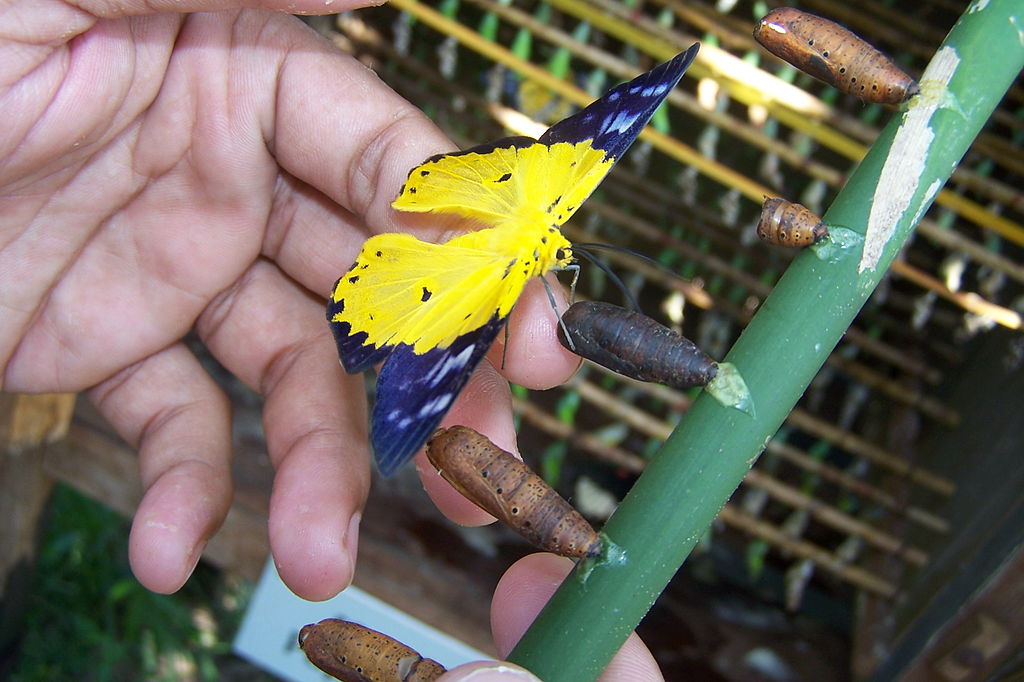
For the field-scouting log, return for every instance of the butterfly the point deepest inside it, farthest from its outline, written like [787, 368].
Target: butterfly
[428, 311]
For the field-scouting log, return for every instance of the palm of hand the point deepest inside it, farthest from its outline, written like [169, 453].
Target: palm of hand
[144, 194]
[216, 172]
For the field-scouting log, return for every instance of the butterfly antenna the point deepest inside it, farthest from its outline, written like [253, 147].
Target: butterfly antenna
[581, 249]
[554, 306]
[630, 252]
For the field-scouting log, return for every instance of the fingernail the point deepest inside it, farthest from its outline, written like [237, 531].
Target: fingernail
[197, 554]
[500, 673]
[351, 540]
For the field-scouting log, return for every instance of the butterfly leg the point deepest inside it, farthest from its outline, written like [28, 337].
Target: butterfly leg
[554, 305]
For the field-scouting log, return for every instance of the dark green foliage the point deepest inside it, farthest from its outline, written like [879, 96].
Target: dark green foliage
[89, 619]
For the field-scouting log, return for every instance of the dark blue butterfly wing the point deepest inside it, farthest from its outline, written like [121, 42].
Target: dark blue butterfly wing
[414, 392]
[356, 355]
[613, 121]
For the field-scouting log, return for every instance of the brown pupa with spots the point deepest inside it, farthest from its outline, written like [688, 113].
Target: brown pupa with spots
[351, 652]
[831, 53]
[507, 489]
[789, 224]
[634, 345]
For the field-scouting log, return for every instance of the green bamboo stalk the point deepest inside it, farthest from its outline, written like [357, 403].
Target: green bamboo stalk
[778, 354]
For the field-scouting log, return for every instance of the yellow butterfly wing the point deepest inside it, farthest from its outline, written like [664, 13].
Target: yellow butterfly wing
[518, 180]
[405, 291]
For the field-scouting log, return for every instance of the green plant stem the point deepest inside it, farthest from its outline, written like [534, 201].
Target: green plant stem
[778, 354]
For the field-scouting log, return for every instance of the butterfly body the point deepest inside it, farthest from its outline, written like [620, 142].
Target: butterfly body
[431, 311]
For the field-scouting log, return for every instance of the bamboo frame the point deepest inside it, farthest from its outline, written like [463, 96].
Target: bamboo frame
[886, 352]
[687, 155]
[709, 453]
[661, 43]
[730, 514]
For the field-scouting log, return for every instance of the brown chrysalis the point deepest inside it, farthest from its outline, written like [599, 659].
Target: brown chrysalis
[353, 653]
[506, 488]
[835, 55]
[788, 224]
[634, 345]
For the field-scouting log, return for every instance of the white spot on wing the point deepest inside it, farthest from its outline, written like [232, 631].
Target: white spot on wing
[452, 363]
[623, 121]
[399, 419]
[435, 406]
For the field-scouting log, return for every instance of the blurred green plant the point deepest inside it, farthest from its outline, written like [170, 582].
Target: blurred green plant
[89, 619]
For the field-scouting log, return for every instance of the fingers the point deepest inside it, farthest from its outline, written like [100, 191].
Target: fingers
[533, 356]
[521, 594]
[485, 404]
[177, 417]
[342, 130]
[271, 334]
[524, 590]
[104, 8]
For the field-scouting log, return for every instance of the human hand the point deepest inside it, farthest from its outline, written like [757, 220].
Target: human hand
[522, 592]
[164, 172]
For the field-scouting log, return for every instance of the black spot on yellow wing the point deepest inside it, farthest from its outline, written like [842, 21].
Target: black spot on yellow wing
[425, 296]
[504, 178]
[506, 488]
